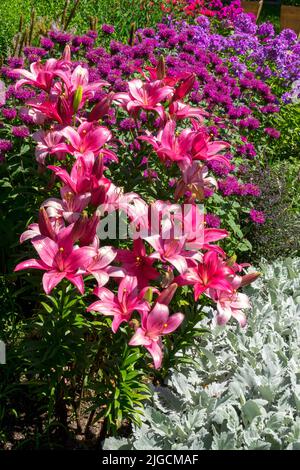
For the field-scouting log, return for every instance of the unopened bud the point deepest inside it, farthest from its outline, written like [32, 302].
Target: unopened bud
[45, 226]
[148, 295]
[231, 260]
[249, 278]
[161, 68]
[77, 98]
[167, 294]
[67, 54]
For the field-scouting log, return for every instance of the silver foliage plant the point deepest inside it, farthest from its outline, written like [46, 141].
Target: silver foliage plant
[244, 390]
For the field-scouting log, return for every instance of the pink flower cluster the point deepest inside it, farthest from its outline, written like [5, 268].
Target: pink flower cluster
[180, 251]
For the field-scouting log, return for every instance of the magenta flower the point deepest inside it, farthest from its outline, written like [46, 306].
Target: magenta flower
[172, 250]
[87, 138]
[46, 145]
[85, 177]
[46, 227]
[155, 324]
[100, 261]
[40, 75]
[20, 131]
[258, 217]
[205, 150]
[137, 263]
[54, 108]
[230, 305]
[122, 305]
[179, 110]
[69, 207]
[168, 145]
[194, 180]
[147, 96]
[60, 260]
[185, 86]
[211, 273]
[107, 28]
[80, 78]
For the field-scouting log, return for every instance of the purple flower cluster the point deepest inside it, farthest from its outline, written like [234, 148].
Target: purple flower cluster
[274, 133]
[232, 186]
[20, 131]
[258, 217]
[107, 29]
[212, 220]
[5, 146]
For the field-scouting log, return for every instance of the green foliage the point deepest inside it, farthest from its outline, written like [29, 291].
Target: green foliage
[288, 123]
[121, 13]
[61, 357]
[244, 393]
[279, 236]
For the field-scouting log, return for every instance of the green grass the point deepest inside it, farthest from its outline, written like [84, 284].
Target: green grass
[120, 13]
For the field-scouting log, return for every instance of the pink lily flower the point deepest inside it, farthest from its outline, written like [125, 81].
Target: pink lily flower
[173, 251]
[137, 263]
[211, 273]
[80, 78]
[40, 75]
[185, 86]
[101, 108]
[179, 110]
[156, 324]
[202, 241]
[85, 177]
[46, 143]
[46, 227]
[194, 180]
[100, 263]
[68, 208]
[144, 95]
[230, 305]
[87, 138]
[33, 231]
[203, 149]
[60, 260]
[53, 108]
[122, 305]
[169, 146]
[198, 237]
[160, 73]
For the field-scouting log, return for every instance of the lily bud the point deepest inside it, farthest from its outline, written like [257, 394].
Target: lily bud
[249, 278]
[101, 108]
[67, 54]
[161, 68]
[45, 226]
[98, 166]
[167, 294]
[98, 196]
[185, 87]
[77, 98]
[231, 260]
[167, 278]
[90, 230]
[79, 227]
[64, 110]
[131, 34]
[148, 295]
